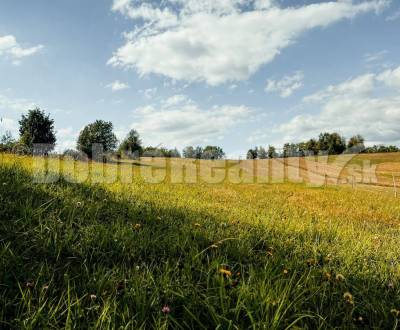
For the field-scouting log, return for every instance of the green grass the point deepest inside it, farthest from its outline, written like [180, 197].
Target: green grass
[292, 251]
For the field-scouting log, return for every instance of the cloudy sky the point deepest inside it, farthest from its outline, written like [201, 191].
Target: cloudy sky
[236, 73]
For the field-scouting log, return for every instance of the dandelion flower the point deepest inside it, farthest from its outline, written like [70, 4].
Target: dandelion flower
[137, 226]
[340, 278]
[395, 312]
[225, 272]
[166, 309]
[348, 297]
[285, 271]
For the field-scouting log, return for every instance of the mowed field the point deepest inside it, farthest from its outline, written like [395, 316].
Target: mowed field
[228, 253]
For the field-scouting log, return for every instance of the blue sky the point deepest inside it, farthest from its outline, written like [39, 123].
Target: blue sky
[236, 73]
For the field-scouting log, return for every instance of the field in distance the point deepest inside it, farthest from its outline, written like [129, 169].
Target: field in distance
[274, 255]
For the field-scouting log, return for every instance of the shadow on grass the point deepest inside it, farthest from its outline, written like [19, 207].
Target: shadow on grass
[137, 257]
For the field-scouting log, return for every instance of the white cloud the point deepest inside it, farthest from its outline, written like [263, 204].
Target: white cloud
[176, 100]
[287, 85]
[220, 40]
[179, 121]
[359, 87]
[15, 104]
[391, 78]
[150, 93]
[117, 86]
[353, 107]
[66, 138]
[10, 125]
[374, 57]
[395, 16]
[10, 47]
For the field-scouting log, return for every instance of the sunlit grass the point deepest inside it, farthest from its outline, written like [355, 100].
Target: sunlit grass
[202, 255]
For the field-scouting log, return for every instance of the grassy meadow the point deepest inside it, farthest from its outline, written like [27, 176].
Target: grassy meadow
[137, 255]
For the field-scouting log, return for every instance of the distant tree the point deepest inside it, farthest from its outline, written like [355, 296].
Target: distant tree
[7, 142]
[312, 147]
[37, 128]
[213, 152]
[74, 154]
[174, 153]
[381, 149]
[7, 138]
[161, 152]
[356, 144]
[189, 152]
[198, 151]
[131, 145]
[99, 132]
[290, 150]
[272, 152]
[252, 154]
[332, 143]
[262, 153]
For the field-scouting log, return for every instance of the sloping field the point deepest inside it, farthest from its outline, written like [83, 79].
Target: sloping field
[121, 246]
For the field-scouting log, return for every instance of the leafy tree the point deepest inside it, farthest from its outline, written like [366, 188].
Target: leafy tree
[189, 152]
[7, 142]
[7, 138]
[213, 152]
[198, 151]
[290, 150]
[332, 143]
[272, 152]
[262, 153]
[161, 152]
[356, 143]
[174, 153]
[99, 132]
[131, 145]
[37, 127]
[312, 147]
[252, 154]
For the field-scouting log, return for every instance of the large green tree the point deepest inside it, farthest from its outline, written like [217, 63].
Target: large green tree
[98, 133]
[37, 128]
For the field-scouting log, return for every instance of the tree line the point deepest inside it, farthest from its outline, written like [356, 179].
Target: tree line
[326, 143]
[36, 127]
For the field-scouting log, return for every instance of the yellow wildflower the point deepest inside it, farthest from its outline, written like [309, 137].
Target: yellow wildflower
[225, 272]
[348, 297]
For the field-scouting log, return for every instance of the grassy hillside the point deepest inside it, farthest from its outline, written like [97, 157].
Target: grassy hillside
[166, 255]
